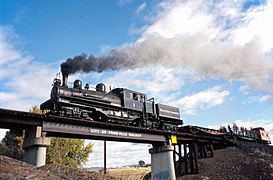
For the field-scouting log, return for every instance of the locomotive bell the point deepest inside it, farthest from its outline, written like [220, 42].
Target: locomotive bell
[77, 84]
[101, 87]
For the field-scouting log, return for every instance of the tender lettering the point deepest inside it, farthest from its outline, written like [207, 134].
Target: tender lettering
[167, 111]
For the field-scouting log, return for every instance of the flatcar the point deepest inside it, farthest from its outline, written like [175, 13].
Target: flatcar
[119, 106]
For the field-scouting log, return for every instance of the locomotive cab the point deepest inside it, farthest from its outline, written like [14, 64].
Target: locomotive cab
[133, 100]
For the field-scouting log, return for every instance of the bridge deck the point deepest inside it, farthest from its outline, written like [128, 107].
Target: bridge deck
[78, 128]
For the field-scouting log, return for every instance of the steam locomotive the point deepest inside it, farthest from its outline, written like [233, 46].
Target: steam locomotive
[119, 106]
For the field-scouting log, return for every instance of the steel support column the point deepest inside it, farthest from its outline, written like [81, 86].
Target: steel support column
[162, 164]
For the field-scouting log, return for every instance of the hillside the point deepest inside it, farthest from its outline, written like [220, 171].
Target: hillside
[246, 161]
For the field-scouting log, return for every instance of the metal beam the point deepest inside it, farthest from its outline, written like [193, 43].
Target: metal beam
[11, 119]
[60, 129]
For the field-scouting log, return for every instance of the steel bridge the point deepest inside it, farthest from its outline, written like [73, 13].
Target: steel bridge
[188, 143]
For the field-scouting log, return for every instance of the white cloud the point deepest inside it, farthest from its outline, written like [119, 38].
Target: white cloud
[2, 133]
[124, 2]
[181, 18]
[7, 51]
[24, 82]
[158, 82]
[204, 37]
[118, 154]
[257, 21]
[203, 100]
[140, 8]
[216, 19]
[266, 99]
[259, 99]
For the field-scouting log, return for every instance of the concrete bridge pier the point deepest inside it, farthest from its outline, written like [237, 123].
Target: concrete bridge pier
[162, 165]
[35, 144]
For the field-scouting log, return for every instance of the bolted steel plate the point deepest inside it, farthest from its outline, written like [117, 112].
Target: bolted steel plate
[101, 133]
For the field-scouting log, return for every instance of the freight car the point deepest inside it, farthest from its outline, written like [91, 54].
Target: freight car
[257, 134]
[119, 106]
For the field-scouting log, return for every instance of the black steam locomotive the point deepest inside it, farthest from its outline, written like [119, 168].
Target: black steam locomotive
[120, 106]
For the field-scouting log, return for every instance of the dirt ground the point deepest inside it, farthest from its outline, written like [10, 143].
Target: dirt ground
[246, 161]
[129, 173]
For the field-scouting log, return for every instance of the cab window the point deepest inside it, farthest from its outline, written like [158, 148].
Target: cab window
[135, 96]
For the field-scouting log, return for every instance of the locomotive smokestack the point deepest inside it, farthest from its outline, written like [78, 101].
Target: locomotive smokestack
[65, 79]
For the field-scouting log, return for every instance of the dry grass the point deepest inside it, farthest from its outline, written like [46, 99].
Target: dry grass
[129, 173]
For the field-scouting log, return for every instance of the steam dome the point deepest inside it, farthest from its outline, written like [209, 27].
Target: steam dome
[77, 84]
[101, 87]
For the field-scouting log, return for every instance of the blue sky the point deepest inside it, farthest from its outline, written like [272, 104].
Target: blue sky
[214, 60]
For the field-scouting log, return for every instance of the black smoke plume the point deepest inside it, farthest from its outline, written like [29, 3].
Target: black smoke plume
[115, 60]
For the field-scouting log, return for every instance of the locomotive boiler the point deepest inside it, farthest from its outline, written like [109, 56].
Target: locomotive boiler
[119, 106]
